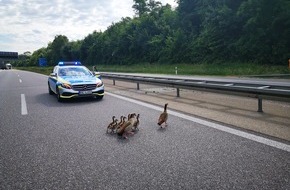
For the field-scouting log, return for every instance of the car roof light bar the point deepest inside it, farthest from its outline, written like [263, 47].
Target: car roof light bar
[62, 63]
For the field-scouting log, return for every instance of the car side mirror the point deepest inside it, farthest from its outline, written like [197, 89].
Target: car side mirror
[53, 74]
[98, 74]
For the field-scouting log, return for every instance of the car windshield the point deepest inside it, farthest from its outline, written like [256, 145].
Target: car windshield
[74, 71]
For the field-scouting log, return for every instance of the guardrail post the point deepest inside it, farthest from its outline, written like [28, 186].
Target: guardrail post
[260, 105]
[114, 82]
[177, 91]
[138, 87]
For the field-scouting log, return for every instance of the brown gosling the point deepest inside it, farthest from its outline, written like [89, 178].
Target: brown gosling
[118, 124]
[135, 122]
[130, 128]
[138, 122]
[163, 117]
[122, 120]
[129, 116]
[123, 130]
[112, 124]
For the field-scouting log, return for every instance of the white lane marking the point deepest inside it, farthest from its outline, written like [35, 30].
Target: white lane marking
[23, 105]
[20, 80]
[249, 136]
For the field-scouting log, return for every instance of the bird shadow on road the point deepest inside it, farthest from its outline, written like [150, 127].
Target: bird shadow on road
[161, 129]
[110, 135]
[123, 140]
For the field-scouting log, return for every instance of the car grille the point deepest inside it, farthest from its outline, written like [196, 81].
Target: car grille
[83, 87]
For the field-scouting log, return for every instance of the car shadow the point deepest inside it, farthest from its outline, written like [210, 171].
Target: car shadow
[51, 100]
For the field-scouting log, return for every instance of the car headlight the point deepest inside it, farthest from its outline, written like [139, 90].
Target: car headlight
[66, 85]
[99, 84]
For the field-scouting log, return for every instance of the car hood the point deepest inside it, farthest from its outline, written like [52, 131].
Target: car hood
[79, 79]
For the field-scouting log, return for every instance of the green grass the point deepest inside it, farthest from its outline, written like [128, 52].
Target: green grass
[234, 69]
[42, 70]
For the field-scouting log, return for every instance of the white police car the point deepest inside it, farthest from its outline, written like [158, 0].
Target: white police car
[73, 80]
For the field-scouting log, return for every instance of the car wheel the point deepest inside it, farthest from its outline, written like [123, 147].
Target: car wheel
[49, 90]
[58, 95]
[99, 97]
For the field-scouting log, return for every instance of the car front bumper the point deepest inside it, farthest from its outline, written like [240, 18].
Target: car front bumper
[70, 93]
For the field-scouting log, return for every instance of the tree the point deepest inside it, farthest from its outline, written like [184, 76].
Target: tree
[140, 7]
[196, 31]
[56, 48]
[71, 51]
[189, 16]
[40, 53]
[265, 31]
[219, 29]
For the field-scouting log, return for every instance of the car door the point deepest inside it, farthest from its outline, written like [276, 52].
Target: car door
[52, 80]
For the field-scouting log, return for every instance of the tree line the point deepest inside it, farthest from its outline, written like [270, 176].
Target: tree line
[196, 31]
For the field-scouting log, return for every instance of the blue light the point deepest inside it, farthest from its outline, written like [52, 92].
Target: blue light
[61, 63]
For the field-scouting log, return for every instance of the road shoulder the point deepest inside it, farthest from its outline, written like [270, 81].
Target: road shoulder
[235, 111]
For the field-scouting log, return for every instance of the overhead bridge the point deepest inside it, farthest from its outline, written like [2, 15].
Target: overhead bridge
[8, 55]
[5, 57]
[260, 89]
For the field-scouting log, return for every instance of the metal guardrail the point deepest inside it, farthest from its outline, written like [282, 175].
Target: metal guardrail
[279, 91]
[268, 76]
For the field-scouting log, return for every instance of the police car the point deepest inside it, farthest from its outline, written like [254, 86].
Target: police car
[73, 80]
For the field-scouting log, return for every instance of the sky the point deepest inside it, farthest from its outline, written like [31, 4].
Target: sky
[28, 25]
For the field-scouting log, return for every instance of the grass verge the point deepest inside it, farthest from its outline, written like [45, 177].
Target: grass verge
[227, 69]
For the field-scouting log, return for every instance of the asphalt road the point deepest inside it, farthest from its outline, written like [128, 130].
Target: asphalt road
[50, 145]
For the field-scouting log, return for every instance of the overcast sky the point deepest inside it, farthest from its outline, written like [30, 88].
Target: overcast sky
[28, 25]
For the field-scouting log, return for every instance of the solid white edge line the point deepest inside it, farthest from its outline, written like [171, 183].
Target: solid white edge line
[23, 105]
[239, 133]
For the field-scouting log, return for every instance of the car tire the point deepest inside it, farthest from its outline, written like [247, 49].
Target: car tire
[59, 99]
[49, 90]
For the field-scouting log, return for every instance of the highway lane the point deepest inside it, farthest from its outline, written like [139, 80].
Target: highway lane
[65, 146]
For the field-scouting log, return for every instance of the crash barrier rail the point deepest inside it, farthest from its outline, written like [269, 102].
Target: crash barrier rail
[268, 76]
[279, 91]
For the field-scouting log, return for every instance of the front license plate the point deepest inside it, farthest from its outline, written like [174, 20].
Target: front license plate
[85, 92]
